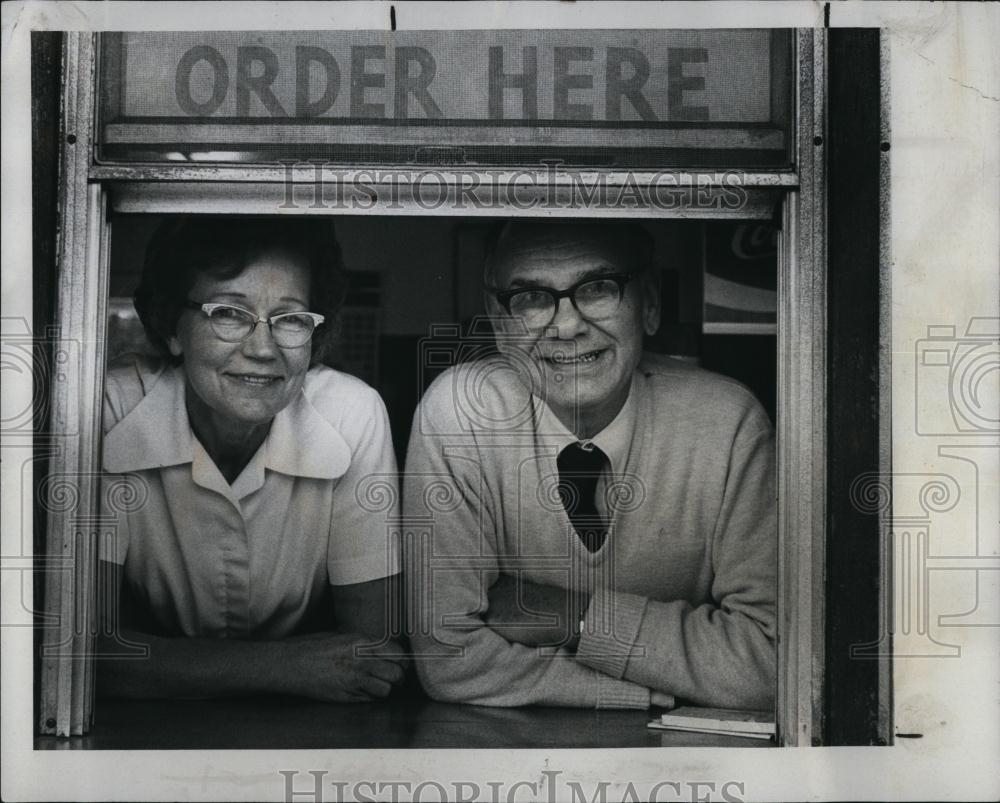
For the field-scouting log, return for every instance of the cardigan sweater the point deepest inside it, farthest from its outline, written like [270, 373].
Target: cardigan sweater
[682, 594]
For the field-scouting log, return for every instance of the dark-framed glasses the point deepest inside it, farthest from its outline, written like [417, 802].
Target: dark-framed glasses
[234, 324]
[595, 298]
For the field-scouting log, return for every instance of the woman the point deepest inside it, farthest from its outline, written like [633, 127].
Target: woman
[248, 558]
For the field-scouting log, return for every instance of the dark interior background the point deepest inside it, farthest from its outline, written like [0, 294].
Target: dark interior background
[414, 281]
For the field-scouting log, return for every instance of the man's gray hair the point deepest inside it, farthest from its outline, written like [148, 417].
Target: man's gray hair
[627, 238]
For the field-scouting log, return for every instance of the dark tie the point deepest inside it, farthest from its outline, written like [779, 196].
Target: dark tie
[579, 471]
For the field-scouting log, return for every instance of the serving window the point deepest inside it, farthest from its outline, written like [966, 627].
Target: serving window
[707, 138]
[415, 284]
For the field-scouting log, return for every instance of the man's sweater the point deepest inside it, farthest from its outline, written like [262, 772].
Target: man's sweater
[683, 592]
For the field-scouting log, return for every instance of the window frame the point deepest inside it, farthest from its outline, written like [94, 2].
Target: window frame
[88, 192]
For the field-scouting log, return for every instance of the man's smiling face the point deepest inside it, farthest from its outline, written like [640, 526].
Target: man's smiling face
[583, 366]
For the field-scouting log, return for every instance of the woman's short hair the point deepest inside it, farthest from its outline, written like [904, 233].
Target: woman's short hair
[183, 248]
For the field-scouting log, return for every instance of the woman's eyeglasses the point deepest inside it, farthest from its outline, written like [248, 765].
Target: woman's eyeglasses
[593, 298]
[233, 324]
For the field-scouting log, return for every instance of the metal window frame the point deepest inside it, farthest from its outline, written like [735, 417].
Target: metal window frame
[303, 190]
[67, 672]
[801, 419]
[886, 704]
[88, 191]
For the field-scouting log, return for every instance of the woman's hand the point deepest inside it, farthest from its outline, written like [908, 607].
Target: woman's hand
[355, 663]
[333, 667]
[338, 667]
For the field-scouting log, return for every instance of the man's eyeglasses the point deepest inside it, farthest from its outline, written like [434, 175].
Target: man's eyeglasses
[233, 324]
[595, 298]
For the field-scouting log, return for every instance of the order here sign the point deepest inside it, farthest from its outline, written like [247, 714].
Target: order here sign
[498, 80]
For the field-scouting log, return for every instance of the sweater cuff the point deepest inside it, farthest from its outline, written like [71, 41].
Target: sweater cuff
[610, 628]
[613, 693]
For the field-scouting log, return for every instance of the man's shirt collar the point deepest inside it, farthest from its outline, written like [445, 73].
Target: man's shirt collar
[614, 440]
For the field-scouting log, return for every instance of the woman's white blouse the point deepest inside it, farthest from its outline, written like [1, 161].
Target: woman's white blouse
[317, 504]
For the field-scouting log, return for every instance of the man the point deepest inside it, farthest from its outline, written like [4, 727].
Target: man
[588, 525]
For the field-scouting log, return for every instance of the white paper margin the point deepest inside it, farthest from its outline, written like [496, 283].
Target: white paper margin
[945, 79]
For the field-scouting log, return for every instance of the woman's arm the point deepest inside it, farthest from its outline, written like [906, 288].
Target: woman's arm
[334, 667]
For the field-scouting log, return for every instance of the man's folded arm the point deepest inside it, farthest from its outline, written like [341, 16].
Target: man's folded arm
[716, 654]
[449, 571]
[474, 664]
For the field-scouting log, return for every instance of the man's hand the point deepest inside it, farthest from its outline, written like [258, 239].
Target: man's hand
[337, 668]
[534, 614]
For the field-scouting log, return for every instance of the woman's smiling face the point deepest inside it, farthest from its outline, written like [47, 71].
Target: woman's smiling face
[245, 384]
